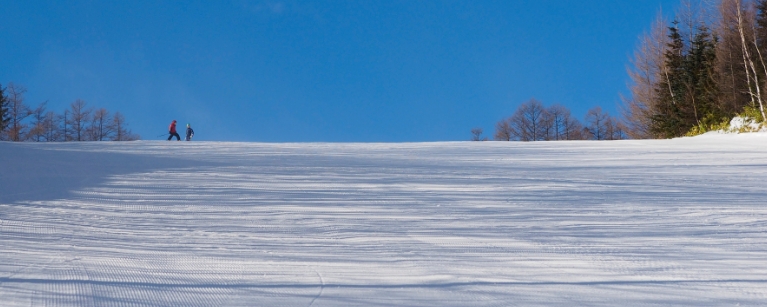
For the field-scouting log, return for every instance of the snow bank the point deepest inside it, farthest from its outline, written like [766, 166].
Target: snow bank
[745, 124]
[625, 223]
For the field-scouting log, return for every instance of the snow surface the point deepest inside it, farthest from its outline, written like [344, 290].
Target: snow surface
[624, 223]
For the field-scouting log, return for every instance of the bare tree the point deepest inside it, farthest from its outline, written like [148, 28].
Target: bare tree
[695, 13]
[533, 122]
[731, 78]
[562, 124]
[573, 129]
[476, 135]
[78, 119]
[597, 121]
[120, 128]
[614, 129]
[737, 77]
[503, 131]
[37, 131]
[528, 122]
[646, 71]
[66, 133]
[100, 128]
[548, 131]
[17, 113]
[552, 123]
[78, 122]
[619, 132]
[51, 127]
[750, 68]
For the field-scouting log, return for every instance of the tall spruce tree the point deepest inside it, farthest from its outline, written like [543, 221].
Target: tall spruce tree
[687, 92]
[667, 118]
[761, 27]
[703, 93]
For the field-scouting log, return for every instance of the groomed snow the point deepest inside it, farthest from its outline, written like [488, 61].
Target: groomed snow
[624, 223]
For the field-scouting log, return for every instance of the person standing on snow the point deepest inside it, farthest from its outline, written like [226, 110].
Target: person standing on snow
[189, 132]
[172, 131]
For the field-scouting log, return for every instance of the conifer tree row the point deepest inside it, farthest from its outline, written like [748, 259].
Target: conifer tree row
[686, 92]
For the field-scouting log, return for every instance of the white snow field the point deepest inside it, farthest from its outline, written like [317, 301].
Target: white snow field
[149, 223]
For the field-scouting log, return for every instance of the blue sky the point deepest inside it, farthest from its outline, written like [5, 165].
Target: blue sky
[339, 71]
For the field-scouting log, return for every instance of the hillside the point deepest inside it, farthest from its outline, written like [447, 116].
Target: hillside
[623, 223]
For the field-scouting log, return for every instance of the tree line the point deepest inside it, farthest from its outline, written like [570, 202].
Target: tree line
[698, 71]
[532, 121]
[79, 122]
[690, 75]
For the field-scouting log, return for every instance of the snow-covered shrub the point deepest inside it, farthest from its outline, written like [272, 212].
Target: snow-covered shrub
[744, 124]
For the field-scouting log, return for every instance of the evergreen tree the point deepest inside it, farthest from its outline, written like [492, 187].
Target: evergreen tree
[4, 114]
[703, 91]
[688, 92]
[667, 118]
[699, 81]
[760, 40]
[761, 27]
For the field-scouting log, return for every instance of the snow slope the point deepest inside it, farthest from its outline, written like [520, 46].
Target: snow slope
[625, 223]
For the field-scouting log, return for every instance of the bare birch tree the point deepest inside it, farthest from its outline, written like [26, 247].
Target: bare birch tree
[748, 60]
[735, 81]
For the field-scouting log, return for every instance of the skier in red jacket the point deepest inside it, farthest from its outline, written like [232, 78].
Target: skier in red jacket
[172, 131]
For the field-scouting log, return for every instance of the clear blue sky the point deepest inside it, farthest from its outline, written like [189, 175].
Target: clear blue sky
[341, 71]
